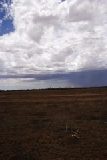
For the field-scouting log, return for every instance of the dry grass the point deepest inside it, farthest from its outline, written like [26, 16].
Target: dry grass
[39, 125]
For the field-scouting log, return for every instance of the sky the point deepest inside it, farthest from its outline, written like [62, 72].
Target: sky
[6, 22]
[53, 43]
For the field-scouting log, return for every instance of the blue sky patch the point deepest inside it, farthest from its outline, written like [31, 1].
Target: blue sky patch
[6, 22]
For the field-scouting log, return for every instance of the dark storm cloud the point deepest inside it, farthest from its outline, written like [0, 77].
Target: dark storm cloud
[72, 79]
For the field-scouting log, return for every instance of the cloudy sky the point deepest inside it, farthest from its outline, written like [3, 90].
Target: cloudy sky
[53, 43]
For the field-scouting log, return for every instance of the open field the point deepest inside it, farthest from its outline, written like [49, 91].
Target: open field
[54, 124]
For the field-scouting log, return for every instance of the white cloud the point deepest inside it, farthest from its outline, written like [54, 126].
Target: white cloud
[51, 36]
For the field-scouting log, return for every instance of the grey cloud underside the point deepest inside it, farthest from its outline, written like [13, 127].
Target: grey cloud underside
[72, 79]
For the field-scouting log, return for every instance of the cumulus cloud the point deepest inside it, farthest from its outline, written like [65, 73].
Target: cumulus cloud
[50, 36]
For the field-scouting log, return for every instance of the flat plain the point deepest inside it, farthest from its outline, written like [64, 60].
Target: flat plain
[53, 124]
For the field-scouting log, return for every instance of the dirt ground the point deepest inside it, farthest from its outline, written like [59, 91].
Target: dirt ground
[53, 124]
